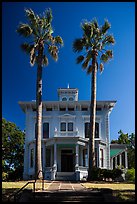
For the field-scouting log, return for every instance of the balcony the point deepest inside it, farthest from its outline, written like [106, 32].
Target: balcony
[66, 133]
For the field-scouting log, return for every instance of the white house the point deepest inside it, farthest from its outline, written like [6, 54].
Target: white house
[65, 136]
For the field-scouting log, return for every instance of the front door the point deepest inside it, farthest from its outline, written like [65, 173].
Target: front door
[67, 161]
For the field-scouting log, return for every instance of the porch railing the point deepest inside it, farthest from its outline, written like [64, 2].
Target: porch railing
[66, 133]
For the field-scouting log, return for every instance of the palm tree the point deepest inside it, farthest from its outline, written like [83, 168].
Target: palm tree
[92, 45]
[39, 30]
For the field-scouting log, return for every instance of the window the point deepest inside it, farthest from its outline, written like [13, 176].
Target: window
[48, 157]
[84, 109]
[70, 126]
[48, 109]
[85, 157]
[96, 130]
[71, 99]
[63, 126]
[31, 158]
[62, 109]
[87, 130]
[64, 99]
[45, 130]
[70, 109]
[101, 158]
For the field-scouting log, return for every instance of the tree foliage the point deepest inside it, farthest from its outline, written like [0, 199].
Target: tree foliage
[130, 141]
[12, 150]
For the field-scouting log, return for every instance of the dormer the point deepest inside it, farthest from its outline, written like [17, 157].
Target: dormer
[68, 94]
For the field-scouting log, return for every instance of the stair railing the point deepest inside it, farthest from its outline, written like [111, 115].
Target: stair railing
[22, 188]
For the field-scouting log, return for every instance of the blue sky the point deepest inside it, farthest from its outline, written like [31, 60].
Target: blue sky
[117, 82]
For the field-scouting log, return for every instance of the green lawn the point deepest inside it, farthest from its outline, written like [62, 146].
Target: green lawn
[113, 186]
[122, 192]
[9, 188]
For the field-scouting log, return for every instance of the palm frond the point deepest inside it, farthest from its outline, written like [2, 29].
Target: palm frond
[104, 57]
[85, 64]
[48, 15]
[109, 53]
[24, 29]
[79, 59]
[31, 16]
[78, 45]
[95, 23]
[53, 50]
[26, 47]
[58, 40]
[88, 29]
[109, 39]
[45, 60]
[32, 57]
[101, 66]
[89, 69]
[105, 27]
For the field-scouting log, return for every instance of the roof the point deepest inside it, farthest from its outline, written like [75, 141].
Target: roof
[116, 149]
[32, 104]
[114, 152]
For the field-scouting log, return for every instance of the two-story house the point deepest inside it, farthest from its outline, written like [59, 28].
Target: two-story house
[65, 136]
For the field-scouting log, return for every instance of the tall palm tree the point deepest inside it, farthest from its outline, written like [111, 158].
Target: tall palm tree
[92, 45]
[38, 28]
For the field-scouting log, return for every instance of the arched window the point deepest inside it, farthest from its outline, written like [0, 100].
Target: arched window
[64, 99]
[71, 99]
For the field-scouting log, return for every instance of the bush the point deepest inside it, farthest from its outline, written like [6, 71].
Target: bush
[95, 174]
[130, 175]
[116, 173]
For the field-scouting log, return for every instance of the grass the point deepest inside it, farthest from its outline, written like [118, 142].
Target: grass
[8, 188]
[122, 192]
[113, 186]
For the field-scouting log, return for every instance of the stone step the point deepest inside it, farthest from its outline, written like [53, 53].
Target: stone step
[65, 176]
[68, 196]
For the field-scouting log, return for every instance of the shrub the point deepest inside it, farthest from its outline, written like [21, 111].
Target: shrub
[116, 173]
[130, 175]
[95, 174]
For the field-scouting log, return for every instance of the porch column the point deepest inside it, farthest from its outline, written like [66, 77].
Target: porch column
[55, 157]
[120, 160]
[116, 162]
[77, 171]
[77, 156]
[111, 163]
[126, 163]
[87, 153]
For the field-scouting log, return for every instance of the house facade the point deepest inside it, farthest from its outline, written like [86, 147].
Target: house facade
[65, 136]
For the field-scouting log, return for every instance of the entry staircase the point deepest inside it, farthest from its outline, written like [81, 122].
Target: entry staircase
[65, 176]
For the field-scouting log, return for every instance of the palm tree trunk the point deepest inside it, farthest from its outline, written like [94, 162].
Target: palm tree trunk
[38, 165]
[92, 121]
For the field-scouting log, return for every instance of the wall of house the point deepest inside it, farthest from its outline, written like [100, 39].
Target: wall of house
[78, 118]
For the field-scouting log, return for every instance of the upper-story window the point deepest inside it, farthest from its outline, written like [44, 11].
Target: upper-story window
[45, 130]
[87, 130]
[62, 109]
[84, 108]
[70, 126]
[63, 126]
[66, 126]
[71, 99]
[70, 109]
[64, 99]
[48, 109]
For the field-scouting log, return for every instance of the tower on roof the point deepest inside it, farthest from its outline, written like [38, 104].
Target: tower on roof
[68, 94]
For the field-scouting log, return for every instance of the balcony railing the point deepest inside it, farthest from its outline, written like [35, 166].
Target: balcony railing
[66, 133]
